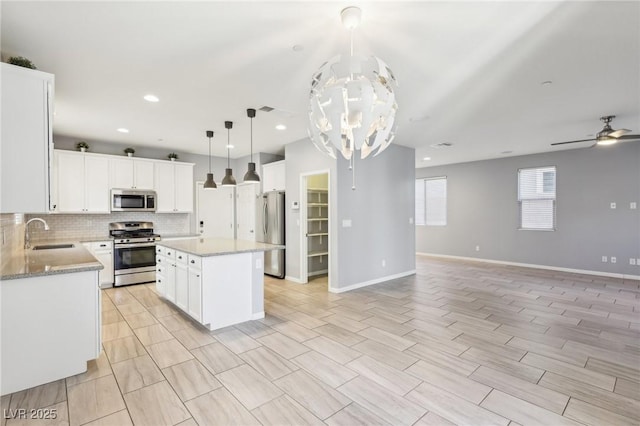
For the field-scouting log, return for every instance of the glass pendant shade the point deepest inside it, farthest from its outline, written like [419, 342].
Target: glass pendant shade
[251, 175]
[352, 106]
[228, 179]
[209, 183]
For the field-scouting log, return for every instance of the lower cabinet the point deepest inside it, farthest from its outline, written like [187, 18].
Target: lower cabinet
[216, 291]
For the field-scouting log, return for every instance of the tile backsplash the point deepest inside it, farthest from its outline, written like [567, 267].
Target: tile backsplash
[80, 226]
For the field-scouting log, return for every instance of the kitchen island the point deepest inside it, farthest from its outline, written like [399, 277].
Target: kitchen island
[218, 282]
[50, 315]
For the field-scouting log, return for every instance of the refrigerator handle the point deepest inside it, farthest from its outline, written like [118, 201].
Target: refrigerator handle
[264, 217]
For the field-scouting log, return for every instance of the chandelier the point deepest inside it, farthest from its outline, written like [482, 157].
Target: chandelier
[352, 105]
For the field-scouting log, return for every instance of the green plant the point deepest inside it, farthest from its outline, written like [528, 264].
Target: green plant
[172, 155]
[129, 150]
[21, 62]
[82, 144]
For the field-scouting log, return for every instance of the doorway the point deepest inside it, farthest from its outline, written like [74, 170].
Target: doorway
[314, 227]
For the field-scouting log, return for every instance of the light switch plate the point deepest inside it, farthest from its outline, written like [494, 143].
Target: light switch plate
[613, 259]
[613, 205]
[633, 205]
[346, 223]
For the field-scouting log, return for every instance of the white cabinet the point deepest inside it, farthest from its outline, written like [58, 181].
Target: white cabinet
[273, 176]
[182, 286]
[132, 173]
[174, 187]
[166, 273]
[81, 182]
[246, 196]
[27, 105]
[103, 251]
[195, 293]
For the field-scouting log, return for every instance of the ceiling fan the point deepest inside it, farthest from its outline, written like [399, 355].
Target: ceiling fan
[606, 136]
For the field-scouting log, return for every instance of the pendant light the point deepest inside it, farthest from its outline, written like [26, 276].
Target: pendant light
[251, 175]
[352, 106]
[228, 179]
[209, 183]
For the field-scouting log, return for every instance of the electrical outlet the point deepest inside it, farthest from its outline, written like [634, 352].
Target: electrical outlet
[410, 221]
[632, 261]
[477, 248]
[638, 261]
[613, 205]
[633, 205]
[346, 223]
[604, 259]
[613, 259]
[384, 263]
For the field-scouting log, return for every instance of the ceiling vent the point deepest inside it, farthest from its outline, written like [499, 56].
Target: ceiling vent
[441, 145]
[266, 108]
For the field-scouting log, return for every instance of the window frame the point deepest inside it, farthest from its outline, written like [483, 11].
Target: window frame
[554, 226]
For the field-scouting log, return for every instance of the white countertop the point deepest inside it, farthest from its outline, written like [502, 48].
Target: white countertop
[34, 263]
[217, 246]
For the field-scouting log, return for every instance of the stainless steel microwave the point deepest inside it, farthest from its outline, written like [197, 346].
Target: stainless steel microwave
[128, 200]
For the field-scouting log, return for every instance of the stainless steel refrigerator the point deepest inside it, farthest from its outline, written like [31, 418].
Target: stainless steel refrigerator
[270, 229]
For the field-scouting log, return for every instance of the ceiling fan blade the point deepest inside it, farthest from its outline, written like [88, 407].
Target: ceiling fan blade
[563, 143]
[618, 133]
[628, 137]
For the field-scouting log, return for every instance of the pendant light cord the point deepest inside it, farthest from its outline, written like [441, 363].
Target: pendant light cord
[251, 139]
[228, 140]
[209, 155]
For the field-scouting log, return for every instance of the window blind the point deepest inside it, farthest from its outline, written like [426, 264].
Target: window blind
[537, 198]
[436, 201]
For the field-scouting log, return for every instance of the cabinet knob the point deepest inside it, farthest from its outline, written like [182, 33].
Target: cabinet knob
[179, 257]
[197, 275]
[193, 261]
[159, 281]
[159, 260]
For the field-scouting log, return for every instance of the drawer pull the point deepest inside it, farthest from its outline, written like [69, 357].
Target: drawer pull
[193, 261]
[179, 257]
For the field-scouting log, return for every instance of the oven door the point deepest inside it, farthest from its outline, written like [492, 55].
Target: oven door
[132, 258]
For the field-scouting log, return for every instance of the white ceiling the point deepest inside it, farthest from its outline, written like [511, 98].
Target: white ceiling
[469, 73]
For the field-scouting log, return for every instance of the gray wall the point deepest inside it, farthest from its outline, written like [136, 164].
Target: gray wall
[381, 210]
[482, 209]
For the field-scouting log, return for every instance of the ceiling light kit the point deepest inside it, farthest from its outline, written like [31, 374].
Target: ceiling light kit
[209, 183]
[606, 136]
[352, 105]
[281, 127]
[151, 98]
[228, 179]
[251, 175]
[123, 130]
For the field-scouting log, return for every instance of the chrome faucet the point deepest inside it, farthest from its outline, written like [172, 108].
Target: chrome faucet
[27, 237]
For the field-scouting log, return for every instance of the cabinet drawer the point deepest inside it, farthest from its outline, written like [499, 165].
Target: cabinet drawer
[160, 250]
[181, 257]
[195, 262]
[101, 246]
[159, 268]
[170, 253]
[162, 260]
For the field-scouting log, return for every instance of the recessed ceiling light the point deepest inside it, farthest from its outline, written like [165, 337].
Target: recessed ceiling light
[547, 83]
[281, 127]
[151, 98]
[421, 118]
[123, 130]
[426, 159]
[298, 48]
[506, 152]
[230, 146]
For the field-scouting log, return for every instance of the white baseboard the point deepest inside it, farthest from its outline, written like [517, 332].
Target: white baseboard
[531, 265]
[294, 279]
[371, 282]
[323, 272]
[257, 315]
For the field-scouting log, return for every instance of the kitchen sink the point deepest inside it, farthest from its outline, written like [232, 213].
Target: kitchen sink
[52, 246]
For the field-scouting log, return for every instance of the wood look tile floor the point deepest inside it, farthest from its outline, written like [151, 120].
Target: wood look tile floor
[460, 342]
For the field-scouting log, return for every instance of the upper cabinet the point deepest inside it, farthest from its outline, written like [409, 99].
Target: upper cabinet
[132, 173]
[81, 183]
[273, 176]
[27, 112]
[174, 187]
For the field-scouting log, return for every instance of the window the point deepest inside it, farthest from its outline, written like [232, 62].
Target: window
[431, 201]
[537, 198]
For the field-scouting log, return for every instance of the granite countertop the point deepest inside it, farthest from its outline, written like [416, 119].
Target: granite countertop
[218, 246]
[36, 263]
[176, 236]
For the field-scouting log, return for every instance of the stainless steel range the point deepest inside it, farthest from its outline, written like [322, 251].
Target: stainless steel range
[134, 249]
